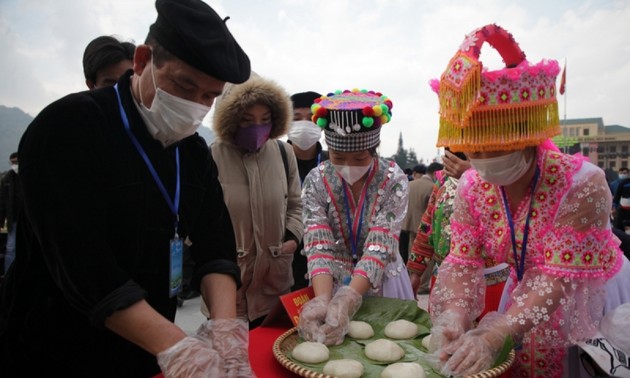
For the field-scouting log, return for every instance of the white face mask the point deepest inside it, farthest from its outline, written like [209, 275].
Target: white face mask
[14, 167]
[352, 173]
[502, 170]
[304, 134]
[174, 118]
[622, 176]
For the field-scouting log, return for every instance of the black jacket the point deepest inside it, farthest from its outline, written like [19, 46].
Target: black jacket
[95, 236]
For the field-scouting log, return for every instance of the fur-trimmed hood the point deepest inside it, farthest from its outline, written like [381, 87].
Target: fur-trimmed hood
[236, 98]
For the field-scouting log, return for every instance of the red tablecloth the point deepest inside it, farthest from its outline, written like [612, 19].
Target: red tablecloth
[261, 356]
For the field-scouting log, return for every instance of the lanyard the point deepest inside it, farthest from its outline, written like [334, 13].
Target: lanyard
[354, 227]
[172, 204]
[520, 268]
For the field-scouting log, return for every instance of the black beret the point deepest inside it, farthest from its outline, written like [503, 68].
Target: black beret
[304, 99]
[194, 33]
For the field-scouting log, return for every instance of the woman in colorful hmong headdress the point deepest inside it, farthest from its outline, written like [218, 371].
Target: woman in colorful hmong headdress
[525, 203]
[353, 206]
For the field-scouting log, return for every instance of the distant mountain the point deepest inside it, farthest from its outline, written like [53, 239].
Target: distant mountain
[13, 123]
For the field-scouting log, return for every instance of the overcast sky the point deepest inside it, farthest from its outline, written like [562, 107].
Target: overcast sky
[391, 46]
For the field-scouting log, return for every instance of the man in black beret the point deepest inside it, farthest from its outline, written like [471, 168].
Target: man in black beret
[93, 289]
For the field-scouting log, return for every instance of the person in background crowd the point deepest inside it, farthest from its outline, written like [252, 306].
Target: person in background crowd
[432, 241]
[304, 137]
[409, 173]
[354, 205]
[623, 174]
[404, 239]
[433, 175]
[621, 204]
[10, 207]
[419, 192]
[262, 190]
[545, 213]
[92, 291]
[105, 60]
[418, 171]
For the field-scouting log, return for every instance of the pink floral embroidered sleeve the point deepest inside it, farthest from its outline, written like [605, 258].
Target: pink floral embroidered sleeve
[570, 254]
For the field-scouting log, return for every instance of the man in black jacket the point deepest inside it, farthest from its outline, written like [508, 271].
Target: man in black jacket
[92, 291]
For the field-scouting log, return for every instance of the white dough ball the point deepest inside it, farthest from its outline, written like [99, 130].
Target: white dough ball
[360, 330]
[310, 352]
[403, 370]
[401, 329]
[344, 368]
[384, 350]
[426, 341]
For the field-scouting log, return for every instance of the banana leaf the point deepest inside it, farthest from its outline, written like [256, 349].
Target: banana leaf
[378, 311]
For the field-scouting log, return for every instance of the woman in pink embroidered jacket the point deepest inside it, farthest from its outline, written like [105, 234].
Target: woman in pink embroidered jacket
[353, 207]
[525, 203]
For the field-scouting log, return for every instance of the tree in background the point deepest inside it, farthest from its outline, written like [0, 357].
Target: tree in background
[405, 158]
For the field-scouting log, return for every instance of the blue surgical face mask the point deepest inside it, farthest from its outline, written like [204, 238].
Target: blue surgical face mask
[251, 138]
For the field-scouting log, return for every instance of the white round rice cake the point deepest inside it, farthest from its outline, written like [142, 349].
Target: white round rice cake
[384, 350]
[403, 370]
[401, 329]
[344, 368]
[360, 330]
[311, 352]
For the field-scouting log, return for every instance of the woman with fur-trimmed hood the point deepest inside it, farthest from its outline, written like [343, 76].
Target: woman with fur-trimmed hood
[262, 193]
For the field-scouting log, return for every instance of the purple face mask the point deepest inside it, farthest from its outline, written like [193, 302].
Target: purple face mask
[252, 137]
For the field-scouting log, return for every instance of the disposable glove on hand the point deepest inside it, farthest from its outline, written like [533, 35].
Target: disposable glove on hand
[312, 317]
[477, 349]
[342, 308]
[446, 331]
[230, 337]
[191, 357]
[447, 328]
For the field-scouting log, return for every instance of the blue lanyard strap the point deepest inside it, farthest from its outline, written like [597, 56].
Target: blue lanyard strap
[172, 204]
[520, 268]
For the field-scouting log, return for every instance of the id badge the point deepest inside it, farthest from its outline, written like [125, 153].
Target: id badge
[176, 267]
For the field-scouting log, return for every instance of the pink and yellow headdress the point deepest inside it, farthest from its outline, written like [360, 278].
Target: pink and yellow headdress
[501, 110]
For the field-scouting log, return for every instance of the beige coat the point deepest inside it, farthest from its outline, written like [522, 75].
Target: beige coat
[419, 193]
[262, 204]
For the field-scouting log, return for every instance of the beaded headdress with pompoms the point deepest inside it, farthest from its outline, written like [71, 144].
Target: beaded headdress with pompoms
[352, 119]
[501, 110]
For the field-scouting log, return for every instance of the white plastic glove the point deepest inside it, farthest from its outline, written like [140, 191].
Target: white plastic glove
[191, 357]
[230, 337]
[446, 331]
[477, 349]
[312, 317]
[341, 310]
[447, 328]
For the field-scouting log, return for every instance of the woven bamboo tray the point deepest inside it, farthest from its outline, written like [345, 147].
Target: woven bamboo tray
[285, 343]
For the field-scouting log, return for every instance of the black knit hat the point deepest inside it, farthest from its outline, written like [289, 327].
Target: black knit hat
[194, 33]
